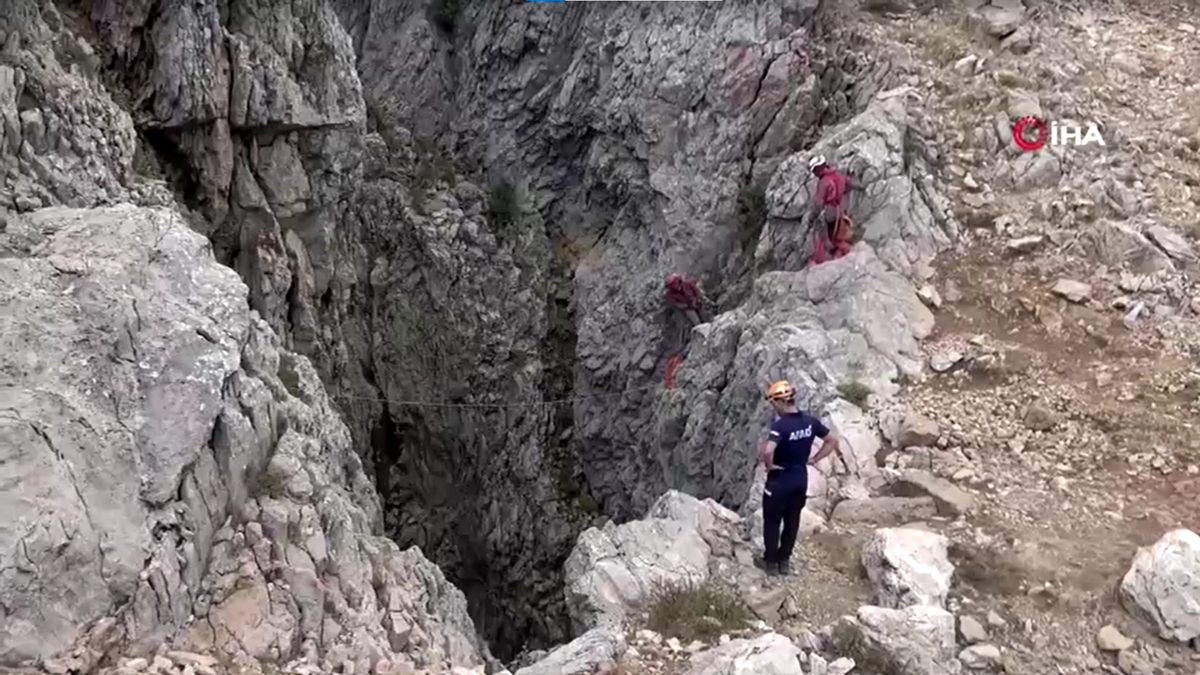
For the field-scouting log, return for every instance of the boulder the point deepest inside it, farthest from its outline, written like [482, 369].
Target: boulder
[980, 657]
[917, 430]
[907, 566]
[618, 567]
[970, 630]
[911, 641]
[1117, 244]
[719, 527]
[770, 654]
[1002, 17]
[1110, 639]
[1162, 586]
[584, 655]
[860, 442]
[1074, 291]
[1174, 244]
[951, 500]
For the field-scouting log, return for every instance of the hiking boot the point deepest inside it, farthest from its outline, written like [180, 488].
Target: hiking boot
[769, 567]
[785, 568]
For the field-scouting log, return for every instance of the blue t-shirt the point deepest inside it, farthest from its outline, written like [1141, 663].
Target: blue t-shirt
[793, 435]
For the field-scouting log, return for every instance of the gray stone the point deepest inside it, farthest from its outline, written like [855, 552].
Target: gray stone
[1039, 417]
[818, 328]
[1117, 244]
[917, 429]
[770, 654]
[913, 641]
[1002, 17]
[582, 656]
[1162, 586]
[1110, 639]
[907, 567]
[1075, 291]
[971, 630]
[951, 500]
[980, 657]
[1172, 243]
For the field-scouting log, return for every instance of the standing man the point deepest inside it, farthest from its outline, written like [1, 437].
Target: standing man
[828, 209]
[786, 454]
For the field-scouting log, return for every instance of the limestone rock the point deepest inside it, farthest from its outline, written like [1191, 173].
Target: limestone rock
[617, 567]
[951, 500]
[907, 567]
[980, 657]
[770, 654]
[1075, 291]
[1162, 586]
[1172, 243]
[1117, 244]
[1039, 417]
[913, 641]
[1110, 639]
[971, 630]
[583, 655]
[163, 408]
[1002, 17]
[917, 429]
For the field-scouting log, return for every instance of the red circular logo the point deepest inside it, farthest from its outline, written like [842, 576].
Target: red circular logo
[1024, 124]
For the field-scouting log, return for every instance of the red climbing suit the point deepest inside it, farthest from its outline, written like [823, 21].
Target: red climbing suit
[832, 240]
[682, 293]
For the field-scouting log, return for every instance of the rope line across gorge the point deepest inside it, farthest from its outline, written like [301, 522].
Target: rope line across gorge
[521, 404]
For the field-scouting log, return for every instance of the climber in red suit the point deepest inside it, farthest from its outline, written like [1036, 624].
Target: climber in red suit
[829, 208]
[684, 294]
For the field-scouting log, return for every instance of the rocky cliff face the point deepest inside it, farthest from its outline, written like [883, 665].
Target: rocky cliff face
[173, 475]
[460, 214]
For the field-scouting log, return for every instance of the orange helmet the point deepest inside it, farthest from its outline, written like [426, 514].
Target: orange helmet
[780, 391]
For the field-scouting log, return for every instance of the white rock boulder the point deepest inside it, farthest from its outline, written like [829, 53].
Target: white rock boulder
[1162, 587]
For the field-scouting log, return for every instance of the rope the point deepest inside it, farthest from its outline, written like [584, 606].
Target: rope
[523, 404]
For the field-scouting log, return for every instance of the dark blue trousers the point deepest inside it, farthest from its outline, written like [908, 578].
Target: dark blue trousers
[783, 498]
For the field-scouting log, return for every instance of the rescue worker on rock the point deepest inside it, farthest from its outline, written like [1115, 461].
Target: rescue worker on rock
[828, 209]
[786, 454]
[684, 294]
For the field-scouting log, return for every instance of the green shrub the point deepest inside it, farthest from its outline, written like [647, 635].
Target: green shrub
[855, 392]
[696, 611]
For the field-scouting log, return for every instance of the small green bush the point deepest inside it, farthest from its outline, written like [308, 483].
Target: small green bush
[855, 392]
[696, 611]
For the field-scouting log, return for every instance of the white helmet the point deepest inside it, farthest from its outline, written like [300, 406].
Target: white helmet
[817, 160]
